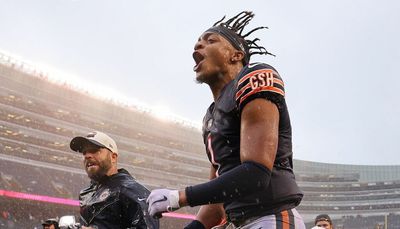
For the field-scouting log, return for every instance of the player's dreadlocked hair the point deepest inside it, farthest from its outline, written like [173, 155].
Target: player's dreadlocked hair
[232, 30]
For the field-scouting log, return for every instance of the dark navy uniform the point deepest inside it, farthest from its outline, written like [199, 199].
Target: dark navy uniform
[221, 134]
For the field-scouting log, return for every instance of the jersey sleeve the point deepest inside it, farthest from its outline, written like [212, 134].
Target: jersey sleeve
[259, 81]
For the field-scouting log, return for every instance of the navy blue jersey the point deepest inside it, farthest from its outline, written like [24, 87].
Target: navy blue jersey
[221, 134]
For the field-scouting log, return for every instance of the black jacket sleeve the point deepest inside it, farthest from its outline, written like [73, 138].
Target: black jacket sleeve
[135, 208]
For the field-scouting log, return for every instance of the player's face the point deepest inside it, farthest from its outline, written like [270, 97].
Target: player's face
[212, 54]
[97, 161]
[324, 224]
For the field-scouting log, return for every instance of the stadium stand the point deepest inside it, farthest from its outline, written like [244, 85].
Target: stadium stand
[38, 117]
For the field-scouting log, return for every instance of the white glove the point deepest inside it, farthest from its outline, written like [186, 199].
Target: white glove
[162, 200]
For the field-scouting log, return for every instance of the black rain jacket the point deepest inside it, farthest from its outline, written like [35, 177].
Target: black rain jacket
[116, 202]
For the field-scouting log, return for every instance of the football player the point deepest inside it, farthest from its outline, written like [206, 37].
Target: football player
[247, 134]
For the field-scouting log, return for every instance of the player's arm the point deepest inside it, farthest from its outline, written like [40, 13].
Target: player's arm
[259, 132]
[212, 214]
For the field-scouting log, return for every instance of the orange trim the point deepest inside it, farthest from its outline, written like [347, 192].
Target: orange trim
[240, 92]
[259, 89]
[285, 220]
[278, 81]
[254, 73]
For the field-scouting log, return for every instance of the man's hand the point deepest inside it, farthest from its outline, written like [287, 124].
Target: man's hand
[163, 200]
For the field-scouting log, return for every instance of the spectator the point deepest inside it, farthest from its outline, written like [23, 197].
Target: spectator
[114, 198]
[50, 224]
[323, 221]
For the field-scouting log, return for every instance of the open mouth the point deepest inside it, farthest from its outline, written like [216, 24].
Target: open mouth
[90, 165]
[198, 58]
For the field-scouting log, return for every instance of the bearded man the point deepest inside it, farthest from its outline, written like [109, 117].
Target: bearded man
[114, 199]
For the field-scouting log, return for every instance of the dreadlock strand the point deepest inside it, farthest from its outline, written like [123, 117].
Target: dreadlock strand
[253, 41]
[234, 18]
[216, 23]
[258, 53]
[246, 22]
[260, 48]
[242, 22]
[262, 53]
[268, 53]
[254, 46]
[253, 30]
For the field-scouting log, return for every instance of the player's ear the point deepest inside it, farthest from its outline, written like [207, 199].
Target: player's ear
[237, 56]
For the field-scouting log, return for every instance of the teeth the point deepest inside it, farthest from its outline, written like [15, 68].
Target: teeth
[198, 57]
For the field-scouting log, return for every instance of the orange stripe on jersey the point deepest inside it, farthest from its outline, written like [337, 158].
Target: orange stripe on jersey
[256, 72]
[240, 92]
[260, 89]
[278, 81]
[285, 220]
[248, 85]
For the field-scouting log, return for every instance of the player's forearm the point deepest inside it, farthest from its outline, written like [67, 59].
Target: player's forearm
[241, 181]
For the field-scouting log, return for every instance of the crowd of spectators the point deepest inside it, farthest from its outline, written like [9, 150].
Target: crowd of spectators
[67, 102]
[169, 148]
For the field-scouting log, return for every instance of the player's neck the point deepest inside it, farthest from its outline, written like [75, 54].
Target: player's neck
[222, 79]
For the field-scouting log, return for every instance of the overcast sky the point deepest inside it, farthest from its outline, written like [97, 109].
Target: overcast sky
[339, 60]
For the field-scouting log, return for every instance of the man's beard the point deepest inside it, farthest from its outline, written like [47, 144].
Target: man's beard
[101, 172]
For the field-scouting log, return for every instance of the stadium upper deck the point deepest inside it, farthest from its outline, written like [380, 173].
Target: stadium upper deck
[38, 118]
[47, 115]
